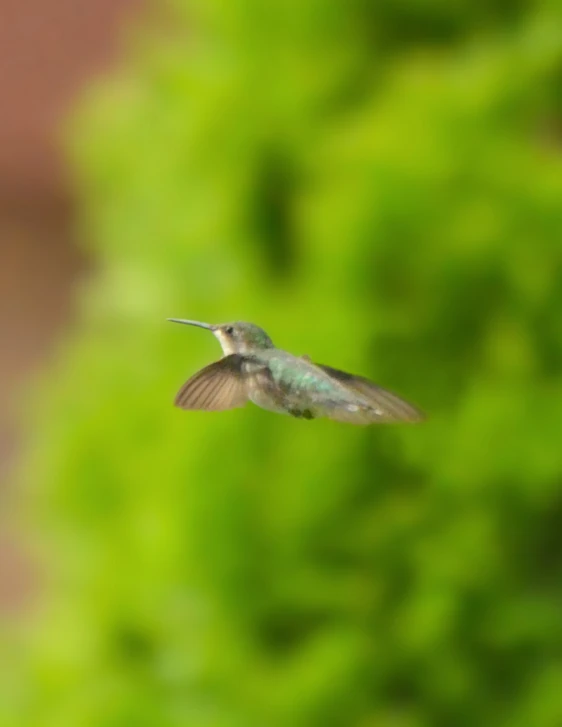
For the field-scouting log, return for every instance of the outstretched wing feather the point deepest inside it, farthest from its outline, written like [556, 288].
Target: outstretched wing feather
[380, 405]
[217, 387]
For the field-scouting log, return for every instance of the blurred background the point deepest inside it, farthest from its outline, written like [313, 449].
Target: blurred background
[377, 184]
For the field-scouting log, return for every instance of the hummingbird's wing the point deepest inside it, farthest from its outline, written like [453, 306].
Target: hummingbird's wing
[217, 387]
[382, 405]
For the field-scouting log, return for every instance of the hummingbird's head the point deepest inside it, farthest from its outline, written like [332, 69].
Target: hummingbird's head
[237, 337]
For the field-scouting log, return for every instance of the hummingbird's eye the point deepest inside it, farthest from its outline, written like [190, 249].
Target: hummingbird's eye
[229, 330]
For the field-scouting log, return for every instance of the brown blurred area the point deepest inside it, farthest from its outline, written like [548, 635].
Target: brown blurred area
[50, 51]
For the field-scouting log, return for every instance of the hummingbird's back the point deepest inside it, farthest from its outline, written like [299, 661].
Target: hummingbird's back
[281, 382]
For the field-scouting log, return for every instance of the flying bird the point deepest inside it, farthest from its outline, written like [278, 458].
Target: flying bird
[253, 369]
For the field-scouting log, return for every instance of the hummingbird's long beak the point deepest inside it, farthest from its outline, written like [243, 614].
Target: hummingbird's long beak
[208, 326]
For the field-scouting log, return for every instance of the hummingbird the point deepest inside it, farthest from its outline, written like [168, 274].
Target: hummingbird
[253, 369]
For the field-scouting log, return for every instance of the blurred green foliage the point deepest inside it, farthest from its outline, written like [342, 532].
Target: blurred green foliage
[378, 185]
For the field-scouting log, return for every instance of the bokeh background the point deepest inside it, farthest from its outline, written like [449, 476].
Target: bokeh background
[377, 184]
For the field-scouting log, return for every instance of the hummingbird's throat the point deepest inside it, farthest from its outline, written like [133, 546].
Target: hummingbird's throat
[227, 344]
